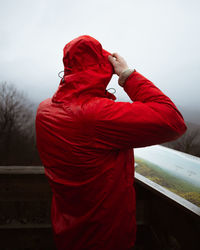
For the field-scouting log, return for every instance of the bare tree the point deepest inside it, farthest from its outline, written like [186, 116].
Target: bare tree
[15, 110]
[16, 124]
[188, 142]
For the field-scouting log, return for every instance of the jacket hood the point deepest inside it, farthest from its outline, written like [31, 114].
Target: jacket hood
[87, 70]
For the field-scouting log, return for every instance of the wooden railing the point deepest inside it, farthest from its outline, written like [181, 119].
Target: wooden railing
[164, 220]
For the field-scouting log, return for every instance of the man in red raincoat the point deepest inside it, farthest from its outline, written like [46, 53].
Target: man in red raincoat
[85, 140]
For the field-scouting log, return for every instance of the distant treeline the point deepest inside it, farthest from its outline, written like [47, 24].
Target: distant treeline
[189, 142]
[17, 130]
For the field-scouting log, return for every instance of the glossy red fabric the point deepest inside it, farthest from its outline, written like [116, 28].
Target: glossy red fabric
[85, 140]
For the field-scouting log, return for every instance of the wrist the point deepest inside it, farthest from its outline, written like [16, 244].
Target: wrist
[124, 75]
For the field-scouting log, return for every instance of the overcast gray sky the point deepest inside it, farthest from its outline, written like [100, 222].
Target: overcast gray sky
[160, 38]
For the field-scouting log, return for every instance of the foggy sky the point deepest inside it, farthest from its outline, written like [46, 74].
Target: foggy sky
[160, 39]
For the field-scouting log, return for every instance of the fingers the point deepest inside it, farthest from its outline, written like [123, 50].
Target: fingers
[118, 63]
[111, 59]
[116, 55]
[116, 58]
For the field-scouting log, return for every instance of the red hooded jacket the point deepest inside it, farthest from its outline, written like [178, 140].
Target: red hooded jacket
[85, 140]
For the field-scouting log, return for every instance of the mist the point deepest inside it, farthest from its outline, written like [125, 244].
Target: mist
[160, 39]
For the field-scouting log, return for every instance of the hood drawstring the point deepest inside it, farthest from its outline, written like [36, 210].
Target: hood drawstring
[110, 95]
[60, 76]
[111, 92]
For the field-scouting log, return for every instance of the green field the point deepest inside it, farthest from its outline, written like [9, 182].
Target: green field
[170, 182]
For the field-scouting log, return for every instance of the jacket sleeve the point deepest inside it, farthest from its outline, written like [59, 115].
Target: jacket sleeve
[151, 119]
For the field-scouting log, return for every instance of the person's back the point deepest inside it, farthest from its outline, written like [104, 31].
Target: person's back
[85, 140]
